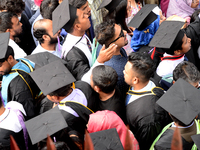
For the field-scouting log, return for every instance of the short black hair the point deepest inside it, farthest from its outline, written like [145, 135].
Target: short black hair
[105, 77]
[187, 71]
[6, 21]
[104, 32]
[38, 32]
[77, 3]
[47, 7]
[14, 6]
[64, 91]
[179, 122]
[195, 15]
[142, 64]
[9, 52]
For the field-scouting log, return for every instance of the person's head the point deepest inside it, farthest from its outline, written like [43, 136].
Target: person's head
[43, 32]
[195, 3]
[6, 63]
[81, 23]
[47, 7]
[178, 121]
[82, 5]
[61, 92]
[9, 22]
[194, 15]
[108, 32]
[103, 79]
[181, 44]
[188, 72]
[139, 68]
[119, 15]
[14, 6]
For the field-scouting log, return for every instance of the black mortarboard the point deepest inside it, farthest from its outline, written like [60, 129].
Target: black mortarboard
[43, 58]
[63, 16]
[45, 124]
[196, 139]
[182, 101]
[106, 139]
[166, 34]
[4, 39]
[144, 17]
[110, 5]
[52, 77]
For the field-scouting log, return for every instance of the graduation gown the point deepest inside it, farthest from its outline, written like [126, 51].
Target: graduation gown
[77, 63]
[147, 119]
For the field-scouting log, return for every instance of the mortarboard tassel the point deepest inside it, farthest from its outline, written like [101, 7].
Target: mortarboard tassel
[88, 145]
[176, 140]
[13, 144]
[50, 144]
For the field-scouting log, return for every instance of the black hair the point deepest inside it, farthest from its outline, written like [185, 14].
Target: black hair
[47, 7]
[14, 6]
[142, 64]
[105, 77]
[77, 3]
[105, 32]
[63, 91]
[179, 122]
[6, 21]
[177, 44]
[59, 146]
[119, 15]
[8, 53]
[38, 32]
[72, 28]
[187, 71]
[195, 15]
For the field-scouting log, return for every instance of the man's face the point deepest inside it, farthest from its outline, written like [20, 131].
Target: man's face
[16, 27]
[128, 73]
[86, 9]
[5, 67]
[186, 46]
[120, 37]
[195, 3]
[83, 20]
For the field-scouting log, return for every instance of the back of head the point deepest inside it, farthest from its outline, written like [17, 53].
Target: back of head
[187, 71]
[8, 53]
[105, 32]
[47, 7]
[105, 78]
[77, 3]
[63, 91]
[5, 21]
[194, 15]
[14, 6]
[142, 64]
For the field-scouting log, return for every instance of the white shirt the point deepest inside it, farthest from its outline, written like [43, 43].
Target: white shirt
[76, 96]
[72, 40]
[18, 52]
[167, 66]
[38, 18]
[40, 49]
[148, 87]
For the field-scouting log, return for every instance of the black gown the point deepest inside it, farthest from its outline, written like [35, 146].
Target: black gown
[146, 119]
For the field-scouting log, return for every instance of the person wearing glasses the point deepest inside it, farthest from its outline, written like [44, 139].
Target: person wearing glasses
[110, 33]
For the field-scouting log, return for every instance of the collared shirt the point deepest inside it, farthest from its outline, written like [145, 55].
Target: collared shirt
[76, 96]
[40, 49]
[79, 42]
[148, 87]
[18, 52]
[167, 66]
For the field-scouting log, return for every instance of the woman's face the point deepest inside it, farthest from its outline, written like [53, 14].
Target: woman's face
[195, 3]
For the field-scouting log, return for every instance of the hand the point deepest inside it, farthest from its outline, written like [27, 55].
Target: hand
[132, 28]
[106, 54]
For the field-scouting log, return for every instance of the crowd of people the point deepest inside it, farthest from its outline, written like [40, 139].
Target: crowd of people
[124, 71]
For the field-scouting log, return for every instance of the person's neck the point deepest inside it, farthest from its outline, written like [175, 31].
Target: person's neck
[117, 51]
[14, 62]
[63, 97]
[140, 85]
[12, 38]
[2, 110]
[78, 33]
[48, 47]
[105, 96]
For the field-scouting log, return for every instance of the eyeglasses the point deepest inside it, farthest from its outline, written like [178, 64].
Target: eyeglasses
[120, 35]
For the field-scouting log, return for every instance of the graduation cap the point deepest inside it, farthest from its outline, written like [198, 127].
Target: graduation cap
[44, 58]
[106, 139]
[110, 5]
[45, 124]
[167, 34]
[63, 16]
[4, 40]
[52, 77]
[181, 101]
[196, 139]
[144, 17]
